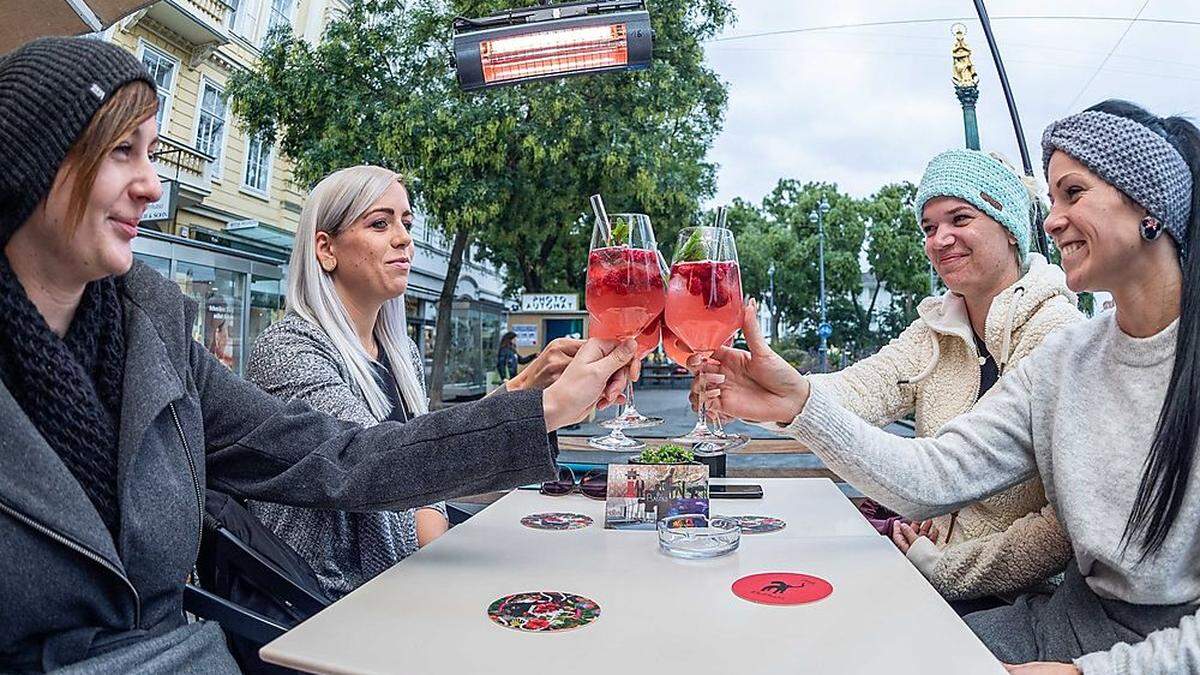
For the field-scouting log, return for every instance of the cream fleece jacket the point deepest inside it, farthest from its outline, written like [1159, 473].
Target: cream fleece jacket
[1082, 412]
[1007, 542]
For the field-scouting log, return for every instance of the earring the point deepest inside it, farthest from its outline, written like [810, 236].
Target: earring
[329, 265]
[1150, 228]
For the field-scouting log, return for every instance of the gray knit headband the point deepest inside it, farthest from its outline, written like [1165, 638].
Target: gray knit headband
[1132, 158]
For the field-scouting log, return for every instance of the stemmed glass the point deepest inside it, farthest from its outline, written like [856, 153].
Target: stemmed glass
[647, 342]
[704, 307]
[625, 292]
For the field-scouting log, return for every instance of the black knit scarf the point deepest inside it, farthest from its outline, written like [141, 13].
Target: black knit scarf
[70, 388]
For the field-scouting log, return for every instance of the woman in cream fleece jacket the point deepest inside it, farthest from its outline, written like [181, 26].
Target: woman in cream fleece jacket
[975, 213]
[1009, 541]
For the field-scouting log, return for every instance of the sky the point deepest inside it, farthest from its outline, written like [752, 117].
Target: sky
[866, 106]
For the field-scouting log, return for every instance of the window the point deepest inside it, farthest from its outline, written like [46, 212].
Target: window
[210, 125]
[258, 165]
[281, 14]
[222, 296]
[162, 69]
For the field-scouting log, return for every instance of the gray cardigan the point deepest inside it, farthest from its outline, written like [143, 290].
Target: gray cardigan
[71, 593]
[295, 359]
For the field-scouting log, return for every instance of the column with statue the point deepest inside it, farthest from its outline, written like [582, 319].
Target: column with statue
[966, 84]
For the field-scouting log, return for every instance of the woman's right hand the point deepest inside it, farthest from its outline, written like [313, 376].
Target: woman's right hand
[594, 378]
[756, 385]
[547, 367]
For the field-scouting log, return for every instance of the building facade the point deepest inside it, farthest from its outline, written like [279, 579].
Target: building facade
[226, 224]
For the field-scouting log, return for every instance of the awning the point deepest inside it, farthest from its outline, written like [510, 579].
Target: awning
[262, 233]
[24, 20]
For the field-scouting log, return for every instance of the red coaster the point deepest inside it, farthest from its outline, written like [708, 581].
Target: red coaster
[782, 588]
[543, 611]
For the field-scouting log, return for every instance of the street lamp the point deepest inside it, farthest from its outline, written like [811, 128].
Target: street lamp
[817, 217]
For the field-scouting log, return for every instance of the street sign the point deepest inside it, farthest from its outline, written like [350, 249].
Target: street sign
[161, 209]
[825, 330]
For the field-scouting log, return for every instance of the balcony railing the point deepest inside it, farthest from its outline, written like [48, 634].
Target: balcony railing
[177, 160]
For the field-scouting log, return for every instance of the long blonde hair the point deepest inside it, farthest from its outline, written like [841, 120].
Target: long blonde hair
[338, 200]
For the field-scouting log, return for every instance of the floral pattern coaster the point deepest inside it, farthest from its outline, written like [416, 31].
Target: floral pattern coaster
[543, 611]
[758, 524]
[557, 521]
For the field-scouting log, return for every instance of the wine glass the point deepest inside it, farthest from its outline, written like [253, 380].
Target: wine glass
[647, 342]
[625, 293]
[704, 307]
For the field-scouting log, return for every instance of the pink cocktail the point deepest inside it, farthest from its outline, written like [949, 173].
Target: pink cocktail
[704, 303]
[648, 339]
[625, 290]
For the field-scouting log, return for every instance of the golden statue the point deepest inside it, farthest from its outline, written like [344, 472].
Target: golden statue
[964, 70]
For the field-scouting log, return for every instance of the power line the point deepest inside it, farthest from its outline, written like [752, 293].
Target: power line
[1108, 56]
[905, 22]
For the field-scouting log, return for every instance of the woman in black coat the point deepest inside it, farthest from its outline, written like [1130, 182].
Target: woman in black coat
[113, 420]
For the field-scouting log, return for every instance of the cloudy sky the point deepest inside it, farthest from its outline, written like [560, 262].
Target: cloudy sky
[869, 105]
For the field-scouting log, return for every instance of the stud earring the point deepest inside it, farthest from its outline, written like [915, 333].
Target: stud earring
[329, 265]
[1150, 228]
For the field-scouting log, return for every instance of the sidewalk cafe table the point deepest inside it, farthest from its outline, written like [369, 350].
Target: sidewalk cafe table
[659, 614]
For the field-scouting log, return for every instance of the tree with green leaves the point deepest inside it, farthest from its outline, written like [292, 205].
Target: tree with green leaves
[506, 169]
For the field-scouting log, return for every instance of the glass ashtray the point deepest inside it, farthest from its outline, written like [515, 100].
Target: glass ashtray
[697, 536]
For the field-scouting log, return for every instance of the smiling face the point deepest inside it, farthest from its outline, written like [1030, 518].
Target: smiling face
[972, 253]
[372, 256]
[90, 237]
[1096, 227]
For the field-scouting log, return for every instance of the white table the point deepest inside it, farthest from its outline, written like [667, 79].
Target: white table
[660, 614]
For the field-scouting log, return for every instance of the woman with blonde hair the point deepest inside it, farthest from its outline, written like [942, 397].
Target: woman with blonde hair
[343, 348]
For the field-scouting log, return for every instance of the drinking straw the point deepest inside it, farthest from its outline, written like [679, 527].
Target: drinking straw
[602, 216]
[720, 216]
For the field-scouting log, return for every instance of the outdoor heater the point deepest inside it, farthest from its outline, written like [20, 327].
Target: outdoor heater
[538, 43]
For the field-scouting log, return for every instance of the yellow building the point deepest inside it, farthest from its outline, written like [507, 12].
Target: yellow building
[224, 228]
[225, 225]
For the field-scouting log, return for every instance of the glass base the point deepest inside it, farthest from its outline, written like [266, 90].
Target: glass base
[638, 422]
[616, 441]
[698, 437]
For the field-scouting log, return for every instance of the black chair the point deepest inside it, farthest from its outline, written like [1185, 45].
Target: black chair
[250, 582]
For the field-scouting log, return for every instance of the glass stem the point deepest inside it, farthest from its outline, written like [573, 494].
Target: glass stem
[630, 410]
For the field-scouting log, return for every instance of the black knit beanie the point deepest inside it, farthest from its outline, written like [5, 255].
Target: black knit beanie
[49, 91]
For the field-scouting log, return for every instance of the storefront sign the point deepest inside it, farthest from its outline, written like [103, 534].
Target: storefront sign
[549, 303]
[526, 334]
[161, 209]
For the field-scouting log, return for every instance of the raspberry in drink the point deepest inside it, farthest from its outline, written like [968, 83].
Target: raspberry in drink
[704, 303]
[625, 290]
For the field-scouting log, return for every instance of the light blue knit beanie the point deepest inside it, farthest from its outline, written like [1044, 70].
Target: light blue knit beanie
[984, 182]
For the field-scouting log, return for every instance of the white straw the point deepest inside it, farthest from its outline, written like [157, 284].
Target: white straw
[602, 216]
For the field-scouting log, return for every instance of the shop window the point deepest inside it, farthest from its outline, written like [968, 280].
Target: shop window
[221, 295]
[266, 305]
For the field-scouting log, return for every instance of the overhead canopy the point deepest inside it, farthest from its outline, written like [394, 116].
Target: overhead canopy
[24, 20]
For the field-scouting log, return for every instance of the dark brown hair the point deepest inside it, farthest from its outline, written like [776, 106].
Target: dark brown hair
[117, 118]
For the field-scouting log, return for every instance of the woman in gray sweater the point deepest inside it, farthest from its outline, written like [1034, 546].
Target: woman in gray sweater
[343, 349]
[1105, 410]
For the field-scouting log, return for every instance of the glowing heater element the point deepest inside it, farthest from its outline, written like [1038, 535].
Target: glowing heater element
[552, 41]
[570, 50]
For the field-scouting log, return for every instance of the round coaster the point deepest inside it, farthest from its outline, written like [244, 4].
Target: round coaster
[758, 524]
[543, 611]
[782, 588]
[557, 521]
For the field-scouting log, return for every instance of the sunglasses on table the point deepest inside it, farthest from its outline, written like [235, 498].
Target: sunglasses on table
[594, 484]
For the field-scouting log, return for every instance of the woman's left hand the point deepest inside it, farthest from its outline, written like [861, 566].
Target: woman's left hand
[905, 535]
[547, 367]
[1043, 668]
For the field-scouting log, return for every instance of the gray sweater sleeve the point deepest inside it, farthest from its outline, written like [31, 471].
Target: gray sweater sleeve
[976, 455]
[1170, 650]
[261, 448]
